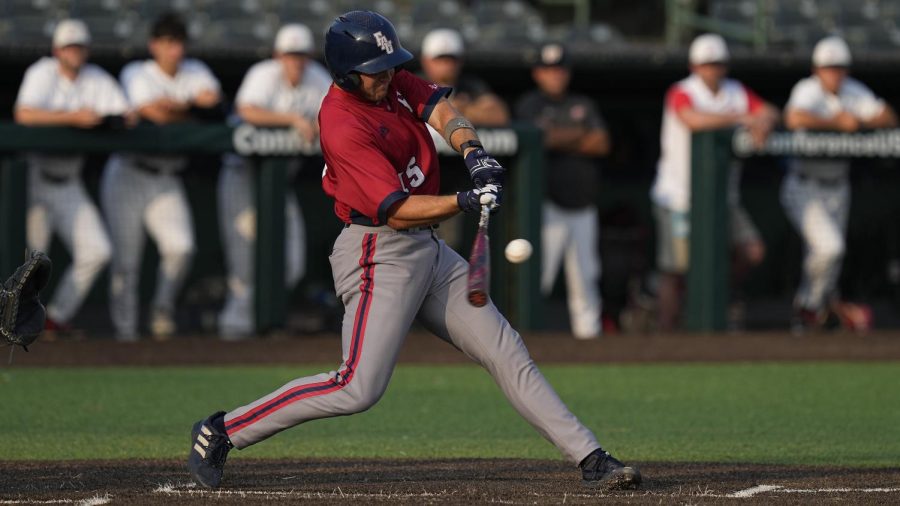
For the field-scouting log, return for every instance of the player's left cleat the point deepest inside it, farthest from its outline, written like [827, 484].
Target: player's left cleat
[600, 469]
[209, 449]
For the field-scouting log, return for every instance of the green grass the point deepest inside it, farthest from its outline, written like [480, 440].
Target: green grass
[836, 414]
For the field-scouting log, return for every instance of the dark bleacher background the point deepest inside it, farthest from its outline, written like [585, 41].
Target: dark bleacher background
[626, 54]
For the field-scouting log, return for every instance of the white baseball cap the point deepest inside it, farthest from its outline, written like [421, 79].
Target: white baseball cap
[294, 38]
[70, 32]
[831, 52]
[708, 48]
[442, 42]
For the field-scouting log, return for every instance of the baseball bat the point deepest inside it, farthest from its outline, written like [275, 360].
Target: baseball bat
[480, 262]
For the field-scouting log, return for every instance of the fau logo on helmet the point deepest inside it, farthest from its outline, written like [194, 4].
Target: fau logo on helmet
[384, 43]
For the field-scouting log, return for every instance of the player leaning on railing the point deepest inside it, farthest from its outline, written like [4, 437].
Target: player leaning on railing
[65, 90]
[705, 100]
[816, 191]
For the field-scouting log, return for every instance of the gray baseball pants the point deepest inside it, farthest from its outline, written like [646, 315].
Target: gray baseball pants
[386, 279]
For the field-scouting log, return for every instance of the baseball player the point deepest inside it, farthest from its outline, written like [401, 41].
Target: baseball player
[574, 135]
[389, 267]
[705, 100]
[145, 191]
[442, 59]
[284, 91]
[64, 90]
[816, 192]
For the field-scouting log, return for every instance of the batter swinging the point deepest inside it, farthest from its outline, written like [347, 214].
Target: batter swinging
[389, 266]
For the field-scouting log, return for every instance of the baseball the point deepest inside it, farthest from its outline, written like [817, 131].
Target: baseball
[518, 250]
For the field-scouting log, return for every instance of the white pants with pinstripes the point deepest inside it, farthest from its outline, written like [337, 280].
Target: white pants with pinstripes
[237, 222]
[569, 236]
[64, 208]
[386, 279]
[135, 201]
[819, 212]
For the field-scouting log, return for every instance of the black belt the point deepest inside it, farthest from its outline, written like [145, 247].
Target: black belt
[821, 181]
[55, 179]
[411, 229]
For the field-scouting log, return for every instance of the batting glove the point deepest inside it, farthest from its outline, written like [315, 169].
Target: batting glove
[472, 200]
[484, 169]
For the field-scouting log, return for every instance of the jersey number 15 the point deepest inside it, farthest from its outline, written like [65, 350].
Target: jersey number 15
[414, 176]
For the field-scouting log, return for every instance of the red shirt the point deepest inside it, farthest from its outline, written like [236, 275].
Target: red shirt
[377, 154]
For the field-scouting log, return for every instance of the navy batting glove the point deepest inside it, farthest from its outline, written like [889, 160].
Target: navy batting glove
[484, 169]
[472, 200]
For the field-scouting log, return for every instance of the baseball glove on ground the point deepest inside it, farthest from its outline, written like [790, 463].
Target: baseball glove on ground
[21, 312]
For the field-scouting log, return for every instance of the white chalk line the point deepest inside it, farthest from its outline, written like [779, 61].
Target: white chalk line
[97, 500]
[190, 489]
[760, 489]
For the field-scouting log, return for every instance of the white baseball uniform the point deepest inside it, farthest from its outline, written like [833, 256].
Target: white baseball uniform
[139, 191]
[266, 87]
[58, 201]
[816, 192]
[671, 191]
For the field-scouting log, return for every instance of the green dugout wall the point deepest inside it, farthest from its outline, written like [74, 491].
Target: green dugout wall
[515, 288]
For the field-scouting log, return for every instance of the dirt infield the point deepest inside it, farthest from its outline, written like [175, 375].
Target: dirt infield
[435, 482]
[425, 348]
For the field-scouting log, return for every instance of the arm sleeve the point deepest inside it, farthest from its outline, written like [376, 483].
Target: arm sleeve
[202, 79]
[139, 90]
[365, 179]
[754, 102]
[256, 88]
[113, 101]
[34, 90]
[865, 105]
[803, 97]
[593, 119]
[421, 94]
[677, 99]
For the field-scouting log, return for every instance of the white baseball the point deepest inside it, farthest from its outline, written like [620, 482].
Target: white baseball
[518, 250]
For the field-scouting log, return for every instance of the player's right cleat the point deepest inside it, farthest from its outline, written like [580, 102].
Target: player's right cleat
[209, 449]
[600, 469]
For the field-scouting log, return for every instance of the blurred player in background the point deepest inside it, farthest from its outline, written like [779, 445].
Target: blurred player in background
[284, 91]
[64, 90]
[442, 59]
[705, 100]
[575, 136]
[816, 192]
[442, 62]
[146, 191]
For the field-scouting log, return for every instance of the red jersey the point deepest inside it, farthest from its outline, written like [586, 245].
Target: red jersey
[377, 154]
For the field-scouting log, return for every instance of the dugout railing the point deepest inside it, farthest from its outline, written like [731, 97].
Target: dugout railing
[514, 288]
[711, 156]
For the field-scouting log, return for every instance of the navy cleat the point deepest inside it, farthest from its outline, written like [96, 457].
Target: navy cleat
[600, 469]
[209, 448]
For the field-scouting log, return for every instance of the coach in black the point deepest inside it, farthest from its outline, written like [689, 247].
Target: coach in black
[575, 136]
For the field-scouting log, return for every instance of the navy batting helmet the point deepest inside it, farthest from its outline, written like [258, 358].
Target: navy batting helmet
[364, 42]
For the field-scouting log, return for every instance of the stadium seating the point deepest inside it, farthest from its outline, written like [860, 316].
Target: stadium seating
[248, 26]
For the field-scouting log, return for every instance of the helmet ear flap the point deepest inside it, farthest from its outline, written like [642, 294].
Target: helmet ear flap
[354, 79]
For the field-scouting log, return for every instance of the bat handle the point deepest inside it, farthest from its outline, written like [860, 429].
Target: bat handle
[485, 215]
